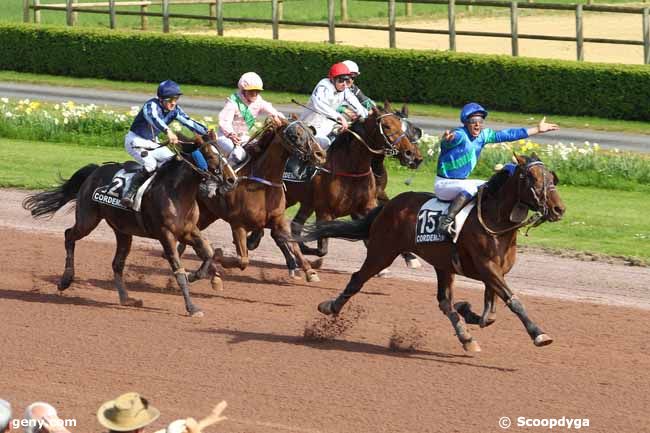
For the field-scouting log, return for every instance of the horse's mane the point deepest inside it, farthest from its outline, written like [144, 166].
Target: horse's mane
[261, 139]
[499, 178]
[345, 140]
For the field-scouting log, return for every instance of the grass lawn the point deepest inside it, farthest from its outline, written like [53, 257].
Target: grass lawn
[599, 221]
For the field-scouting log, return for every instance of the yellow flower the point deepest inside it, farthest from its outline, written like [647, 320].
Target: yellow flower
[69, 104]
[34, 105]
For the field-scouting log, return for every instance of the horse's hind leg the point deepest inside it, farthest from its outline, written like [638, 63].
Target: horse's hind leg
[84, 224]
[205, 253]
[168, 242]
[291, 251]
[379, 256]
[121, 252]
[411, 260]
[489, 315]
[446, 305]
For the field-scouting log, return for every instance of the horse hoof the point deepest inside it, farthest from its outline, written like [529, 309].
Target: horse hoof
[413, 264]
[326, 307]
[132, 302]
[312, 277]
[471, 346]
[542, 340]
[487, 322]
[317, 264]
[383, 273]
[196, 313]
[216, 283]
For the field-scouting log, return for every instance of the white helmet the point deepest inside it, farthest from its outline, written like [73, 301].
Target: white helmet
[250, 81]
[352, 66]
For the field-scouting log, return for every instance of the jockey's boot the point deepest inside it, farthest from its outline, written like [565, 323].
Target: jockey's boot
[136, 182]
[447, 220]
[237, 157]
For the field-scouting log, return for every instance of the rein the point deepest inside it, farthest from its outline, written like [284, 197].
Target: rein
[533, 219]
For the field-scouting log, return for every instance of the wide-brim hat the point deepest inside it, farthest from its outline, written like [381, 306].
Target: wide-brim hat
[127, 412]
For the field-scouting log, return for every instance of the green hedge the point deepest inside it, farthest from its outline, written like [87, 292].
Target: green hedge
[500, 82]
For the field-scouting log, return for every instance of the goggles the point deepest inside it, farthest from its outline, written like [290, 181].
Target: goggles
[476, 120]
[171, 98]
[343, 79]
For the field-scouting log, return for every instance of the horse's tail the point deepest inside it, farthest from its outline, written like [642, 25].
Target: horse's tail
[354, 230]
[46, 203]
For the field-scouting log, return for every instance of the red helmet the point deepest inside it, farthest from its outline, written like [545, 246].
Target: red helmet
[338, 69]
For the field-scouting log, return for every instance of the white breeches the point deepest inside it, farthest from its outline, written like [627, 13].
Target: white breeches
[156, 154]
[227, 148]
[448, 189]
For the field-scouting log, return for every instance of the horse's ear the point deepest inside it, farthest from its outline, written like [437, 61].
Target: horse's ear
[212, 135]
[534, 157]
[556, 180]
[518, 159]
[387, 106]
[198, 140]
[405, 111]
[375, 111]
[293, 116]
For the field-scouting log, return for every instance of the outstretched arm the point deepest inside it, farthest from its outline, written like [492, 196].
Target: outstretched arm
[543, 127]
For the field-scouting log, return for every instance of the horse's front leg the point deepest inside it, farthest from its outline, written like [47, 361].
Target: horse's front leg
[445, 303]
[205, 253]
[489, 315]
[168, 242]
[291, 250]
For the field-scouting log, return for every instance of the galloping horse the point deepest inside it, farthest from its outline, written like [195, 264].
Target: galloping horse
[485, 249]
[259, 200]
[169, 213]
[347, 186]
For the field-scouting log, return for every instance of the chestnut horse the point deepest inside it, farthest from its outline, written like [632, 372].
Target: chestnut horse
[259, 200]
[346, 186]
[169, 213]
[485, 249]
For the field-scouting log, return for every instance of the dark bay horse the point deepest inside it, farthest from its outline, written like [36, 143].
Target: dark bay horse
[485, 249]
[347, 186]
[258, 201]
[169, 213]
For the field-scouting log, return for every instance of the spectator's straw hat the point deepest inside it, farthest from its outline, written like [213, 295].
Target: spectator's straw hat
[127, 412]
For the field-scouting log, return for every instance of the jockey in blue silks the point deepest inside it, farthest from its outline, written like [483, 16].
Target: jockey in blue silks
[460, 150]
[141, 141]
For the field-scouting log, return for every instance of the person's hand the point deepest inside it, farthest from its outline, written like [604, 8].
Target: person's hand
[352, 115]
[343, 123]
[545, 127]
[276, 120]
[192, 426]
[234, 138]
[448, 135]
[54, 425]
[173, 139]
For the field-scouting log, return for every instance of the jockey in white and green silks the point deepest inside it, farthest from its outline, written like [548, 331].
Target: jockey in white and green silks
[460, 150]
[238, 115]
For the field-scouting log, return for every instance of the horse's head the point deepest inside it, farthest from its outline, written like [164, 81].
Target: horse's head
[412, 132]
[535, 188]
[217, 164]
[298, 139]
[389, 130]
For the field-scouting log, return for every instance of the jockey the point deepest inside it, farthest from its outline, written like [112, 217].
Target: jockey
[368, 103]
[460, 150]
[327, 97]
[142, 140]
[237, 117]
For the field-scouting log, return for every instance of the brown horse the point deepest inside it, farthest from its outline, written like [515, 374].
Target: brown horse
[347, 186]
[169, 213]
[259, 200]
[485, 249]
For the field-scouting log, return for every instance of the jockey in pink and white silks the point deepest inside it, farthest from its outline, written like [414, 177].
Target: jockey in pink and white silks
[326, 98]
[238, 115]
[460, 150]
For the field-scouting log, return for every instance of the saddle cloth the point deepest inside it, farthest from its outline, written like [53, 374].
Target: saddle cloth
[111, 194]
[298, 171]
[429, 218]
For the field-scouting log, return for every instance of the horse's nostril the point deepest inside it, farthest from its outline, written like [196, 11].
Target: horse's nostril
[408, 153]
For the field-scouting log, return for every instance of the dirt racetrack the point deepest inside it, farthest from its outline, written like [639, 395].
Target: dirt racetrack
[82, 348]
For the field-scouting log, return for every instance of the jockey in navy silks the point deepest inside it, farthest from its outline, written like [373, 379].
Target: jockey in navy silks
[154, 118]
[460, 150]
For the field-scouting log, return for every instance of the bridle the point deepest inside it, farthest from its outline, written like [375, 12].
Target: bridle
[540, 208]
[289, 136]
[390, 143]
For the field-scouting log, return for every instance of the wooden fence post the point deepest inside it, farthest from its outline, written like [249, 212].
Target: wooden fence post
[344, 10]
[391, 23]
[213, 10]
[25, 11]
[68, 13]
[646, 35]
[330, 21]
[165, 11]
[37, 12]
[514, 27]
[220, 17]
[579, 34]
[144, 20]
[451, 12]
[408, 9]
[274, 18]
[111, 9]
[280, 9]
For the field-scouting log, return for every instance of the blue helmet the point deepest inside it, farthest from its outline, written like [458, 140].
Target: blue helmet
[472, 108]
[168, 88]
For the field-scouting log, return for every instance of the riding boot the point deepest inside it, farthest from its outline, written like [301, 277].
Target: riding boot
[447, 220]
[136, 182]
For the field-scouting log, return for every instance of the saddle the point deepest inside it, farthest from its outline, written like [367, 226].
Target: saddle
[112, 193]
[429, 217]
[298, 171]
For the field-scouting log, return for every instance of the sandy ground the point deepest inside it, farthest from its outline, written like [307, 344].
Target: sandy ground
[601, 25]
[80, 349]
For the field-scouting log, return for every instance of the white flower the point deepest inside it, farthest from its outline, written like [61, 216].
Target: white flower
[208, 119]
[56, 121]
[4, 100]
[65, 121]
[176, 127]
[9, 114]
